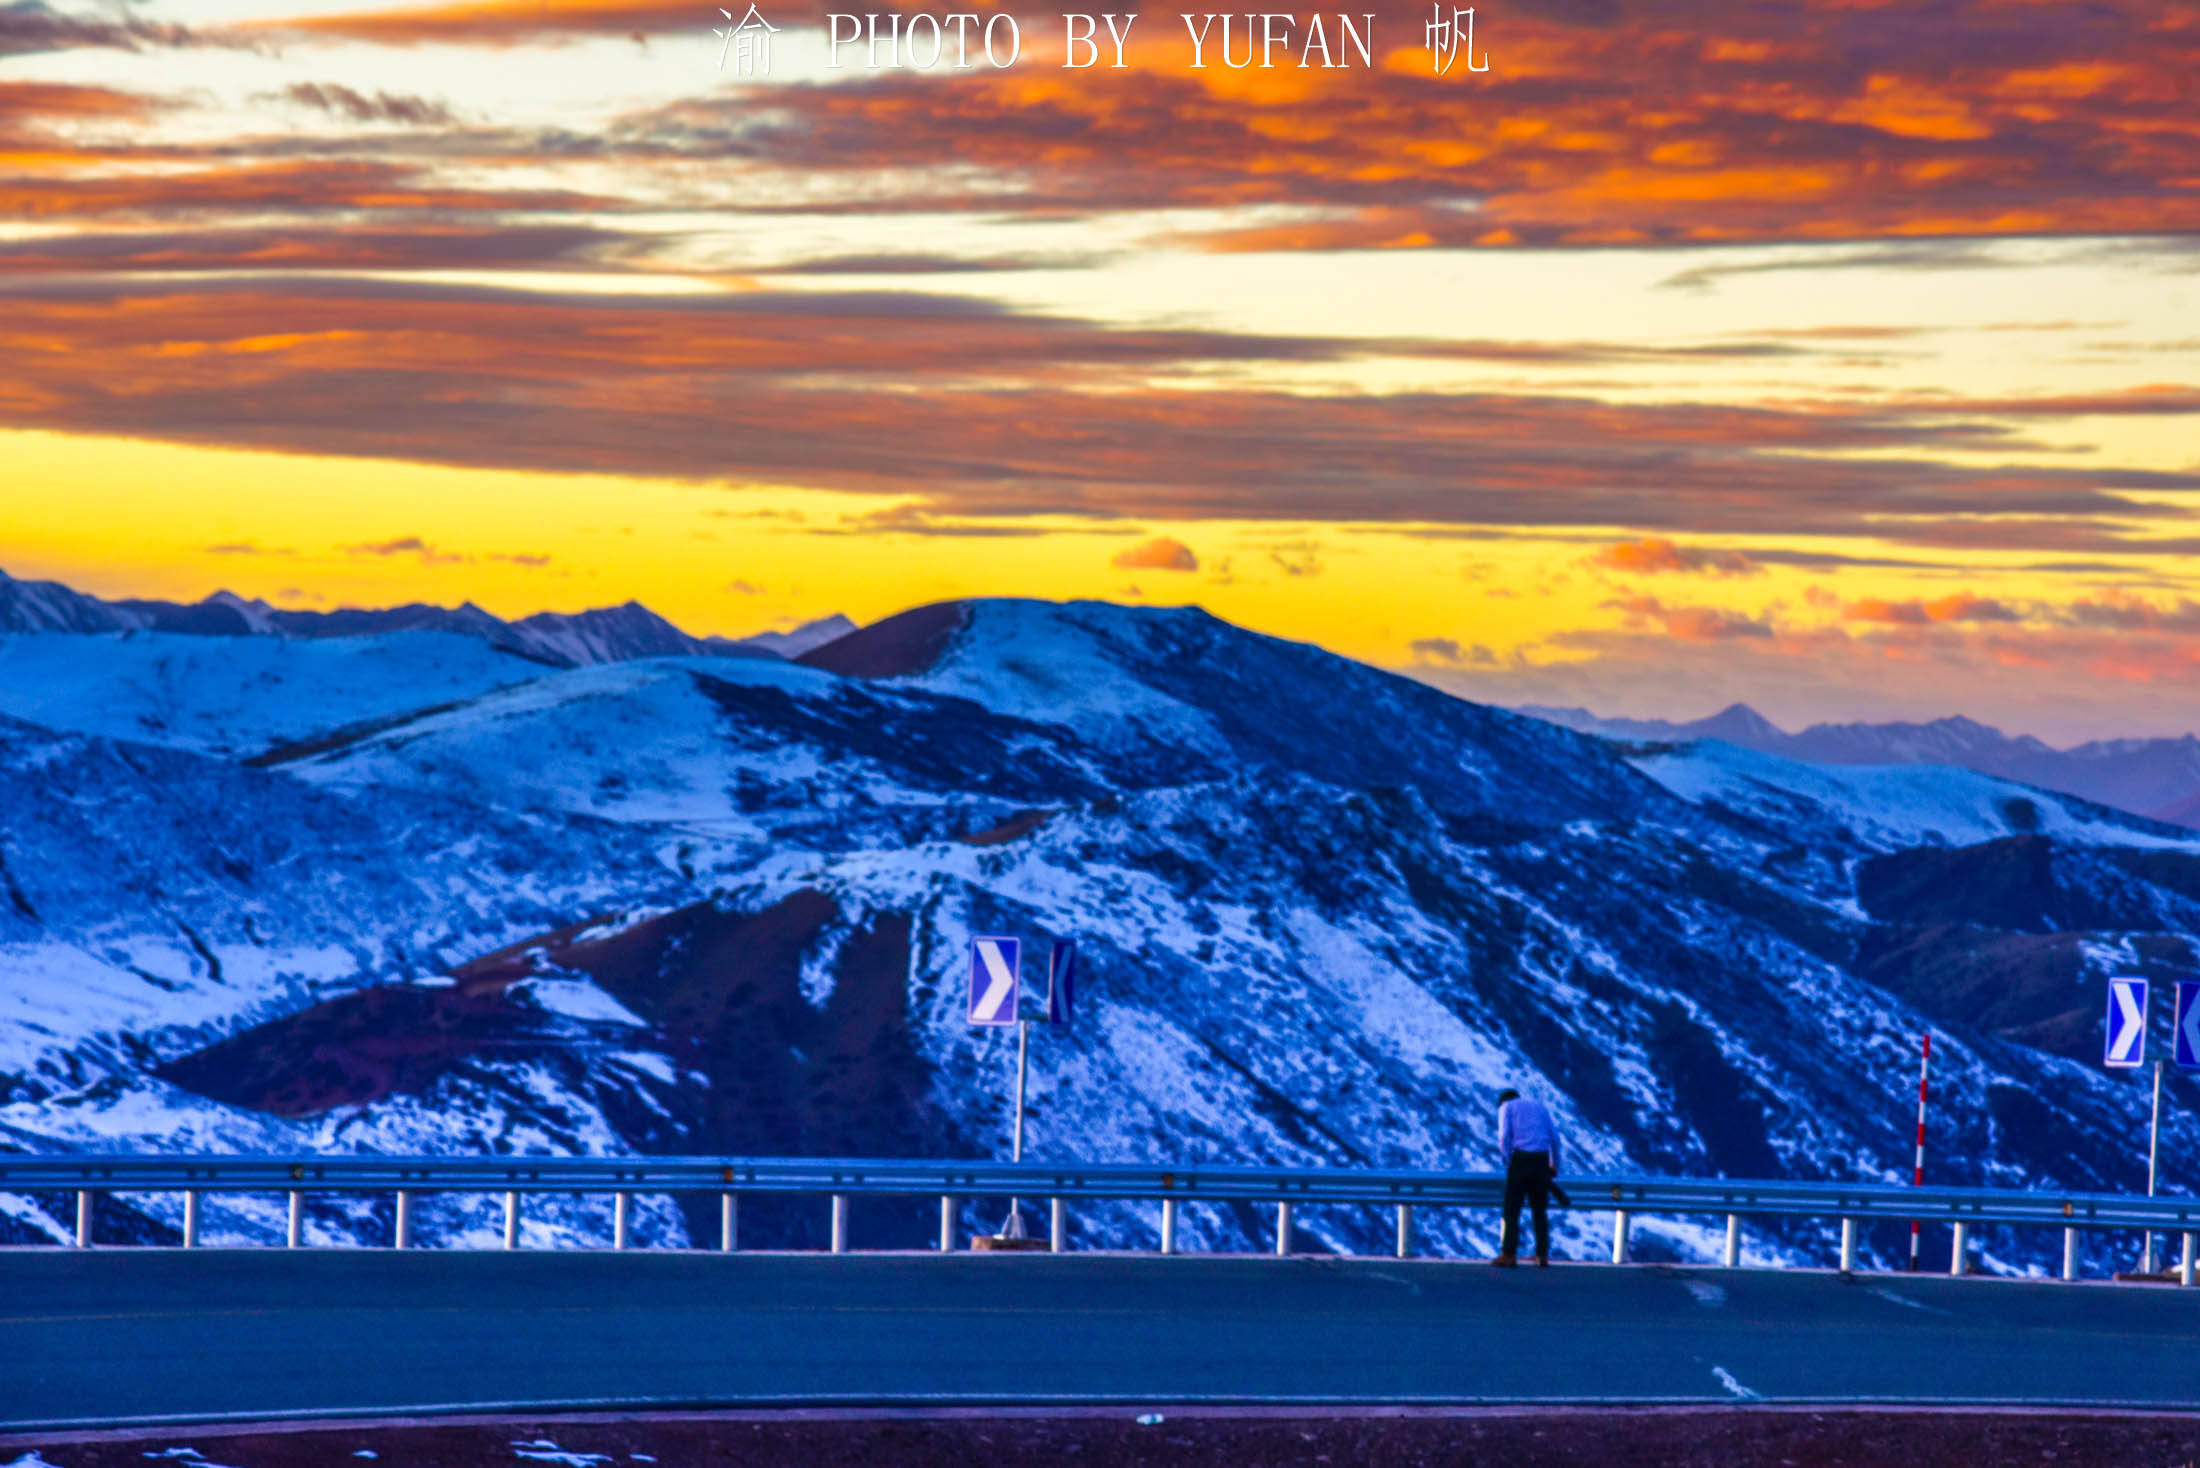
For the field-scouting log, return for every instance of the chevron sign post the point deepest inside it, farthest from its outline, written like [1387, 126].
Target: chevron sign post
[994, 966]
[2126, 1047]
[996, 993]
[1061, 981]
[2188, 1024]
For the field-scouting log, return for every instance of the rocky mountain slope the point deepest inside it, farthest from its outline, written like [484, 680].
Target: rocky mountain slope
[722, 905]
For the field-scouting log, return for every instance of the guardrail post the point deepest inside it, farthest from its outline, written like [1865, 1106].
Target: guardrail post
[1057, 1225]
[947, 1224]
[1283, 1229]
[191, 1218]
[1848, 1246]
[2070, 1253]
[84, 1218]
[840, 1223]
[1168, 1225]
[295, 1236]
[1405, 1231]
[1619, 1237]
[2184, 1270]
[1734, 1241]
[1957, 1263]
[729, 1223]
[511, 1218]
[404, 1219]
[622, 1220]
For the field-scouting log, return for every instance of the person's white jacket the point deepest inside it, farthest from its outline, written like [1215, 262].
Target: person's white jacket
[1525, 1126]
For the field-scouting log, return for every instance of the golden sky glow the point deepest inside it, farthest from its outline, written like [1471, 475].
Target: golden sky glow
[1831, 359]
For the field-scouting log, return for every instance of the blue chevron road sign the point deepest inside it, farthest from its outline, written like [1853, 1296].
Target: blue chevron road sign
[1061, 980]
[994, 965]
[2126, 1046]
[2188, 1024]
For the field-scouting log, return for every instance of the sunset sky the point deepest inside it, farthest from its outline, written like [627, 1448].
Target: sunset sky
[1838, 358]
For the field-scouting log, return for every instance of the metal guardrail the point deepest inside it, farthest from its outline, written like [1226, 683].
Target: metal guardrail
[1062, 1183]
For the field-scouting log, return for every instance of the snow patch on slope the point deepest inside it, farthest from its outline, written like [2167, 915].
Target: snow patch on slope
[238, 696]
[1890, 807]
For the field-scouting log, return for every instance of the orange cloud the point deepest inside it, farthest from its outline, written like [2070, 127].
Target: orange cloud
[1960, 607]
[1690, 623]
[1158, 554]
[1605, 124]
[410, 545]
[1655, 555]
[296, 186]
[981, 412]
[1448, 652]
[2127, 612]
[1753, 123]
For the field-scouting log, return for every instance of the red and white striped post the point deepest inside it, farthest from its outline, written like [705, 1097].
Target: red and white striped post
[1917, 1176]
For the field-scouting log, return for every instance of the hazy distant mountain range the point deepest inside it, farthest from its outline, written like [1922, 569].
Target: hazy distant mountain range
[604, 635]
[2157, 778]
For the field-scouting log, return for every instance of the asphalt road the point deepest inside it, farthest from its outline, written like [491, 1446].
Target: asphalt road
[119, 1335]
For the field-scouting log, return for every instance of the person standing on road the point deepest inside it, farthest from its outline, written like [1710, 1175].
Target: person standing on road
[1528, 1145]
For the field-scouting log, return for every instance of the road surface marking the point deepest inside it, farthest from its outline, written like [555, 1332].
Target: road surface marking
[1886, 1294]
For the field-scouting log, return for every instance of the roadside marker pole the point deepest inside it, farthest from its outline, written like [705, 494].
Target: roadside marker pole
[2154, 1152]
[1023, 1072]
[1917, 1173]
[1015, 1229]
[996, 1000]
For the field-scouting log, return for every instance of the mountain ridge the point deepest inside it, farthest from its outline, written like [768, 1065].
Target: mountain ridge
[1323, 912]
[556, 639]
[2158, 778]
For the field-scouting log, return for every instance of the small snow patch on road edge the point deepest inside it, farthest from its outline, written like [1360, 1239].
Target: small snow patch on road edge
[1726, 1379]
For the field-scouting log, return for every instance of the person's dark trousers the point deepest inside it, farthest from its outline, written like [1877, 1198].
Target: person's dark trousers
[1527, 1178]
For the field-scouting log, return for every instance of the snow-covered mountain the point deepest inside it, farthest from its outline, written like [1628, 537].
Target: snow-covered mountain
[241, 697]
[613, 635]
[713, 904]
[2158, 778]
[805, 638]
[556, 639]
[48, 606]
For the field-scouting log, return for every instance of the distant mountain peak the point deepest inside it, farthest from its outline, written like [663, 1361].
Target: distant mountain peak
[796, 641]
[48, 606]
[1739, 719]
